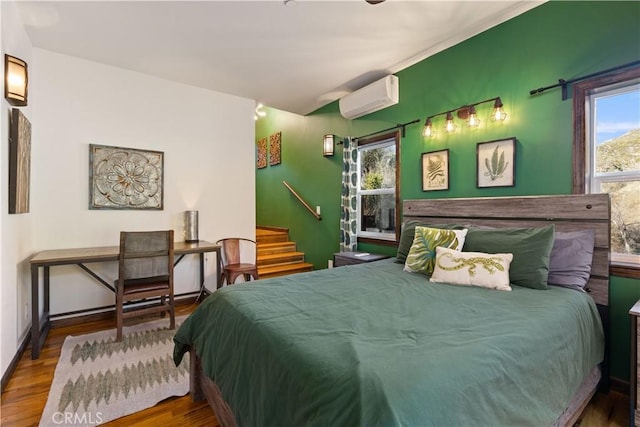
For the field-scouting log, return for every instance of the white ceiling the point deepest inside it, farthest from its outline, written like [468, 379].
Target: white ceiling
[295, 57]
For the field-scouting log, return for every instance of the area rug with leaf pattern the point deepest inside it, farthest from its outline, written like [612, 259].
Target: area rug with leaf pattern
[98, 379]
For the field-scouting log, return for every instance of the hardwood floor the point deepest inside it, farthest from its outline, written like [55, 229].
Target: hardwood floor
[606, 410]
[26, 393]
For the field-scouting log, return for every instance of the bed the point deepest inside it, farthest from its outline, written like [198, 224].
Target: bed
[373, 344]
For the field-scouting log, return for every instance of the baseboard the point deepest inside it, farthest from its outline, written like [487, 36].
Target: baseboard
[621, 386]
[107, 312]
[77, 318]
[14, 362]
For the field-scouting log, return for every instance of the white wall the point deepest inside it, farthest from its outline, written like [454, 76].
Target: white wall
[208, 144]
[16, 231]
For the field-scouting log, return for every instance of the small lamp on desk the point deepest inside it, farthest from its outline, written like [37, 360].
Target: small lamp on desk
[191, 226]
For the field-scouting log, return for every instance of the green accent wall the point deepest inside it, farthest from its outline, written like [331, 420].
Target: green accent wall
[552, 41]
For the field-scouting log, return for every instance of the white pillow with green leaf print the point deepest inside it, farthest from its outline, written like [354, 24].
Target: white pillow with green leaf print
[422, 255]
[472, 269]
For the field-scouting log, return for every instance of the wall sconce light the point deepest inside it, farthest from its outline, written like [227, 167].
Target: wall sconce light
[259, 112]
[16, 80]
[466, 112]
[328, 145]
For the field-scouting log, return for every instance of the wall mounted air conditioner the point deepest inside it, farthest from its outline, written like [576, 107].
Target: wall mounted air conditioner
[373, 97]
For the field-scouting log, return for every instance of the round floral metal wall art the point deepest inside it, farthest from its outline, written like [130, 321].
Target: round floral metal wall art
[125, 178]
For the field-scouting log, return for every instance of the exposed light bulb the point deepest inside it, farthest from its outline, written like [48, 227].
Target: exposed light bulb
[474, 121]
[450, 126]
[498, 112]
[428, 131]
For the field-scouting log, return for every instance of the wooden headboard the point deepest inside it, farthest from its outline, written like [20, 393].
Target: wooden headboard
[568, 213]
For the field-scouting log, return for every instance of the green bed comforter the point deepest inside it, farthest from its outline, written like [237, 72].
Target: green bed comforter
[372, 345]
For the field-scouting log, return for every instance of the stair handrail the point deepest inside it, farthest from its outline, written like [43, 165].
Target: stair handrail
[301, 200]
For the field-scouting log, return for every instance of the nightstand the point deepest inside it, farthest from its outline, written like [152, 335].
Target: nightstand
[635, 351]
[351, 258]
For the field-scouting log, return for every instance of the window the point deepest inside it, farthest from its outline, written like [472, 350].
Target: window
[607, 154]
[378, 187]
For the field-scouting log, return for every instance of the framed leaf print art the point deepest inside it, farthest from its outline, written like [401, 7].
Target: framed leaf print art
[496, 163]
[435, 170]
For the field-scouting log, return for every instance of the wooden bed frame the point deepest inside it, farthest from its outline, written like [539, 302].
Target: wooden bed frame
[567, 213]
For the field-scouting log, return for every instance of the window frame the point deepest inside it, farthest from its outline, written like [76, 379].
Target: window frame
[372, 238]
[582, 91]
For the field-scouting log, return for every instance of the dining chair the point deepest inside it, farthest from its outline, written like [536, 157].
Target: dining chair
[238, 259]
[145, 274]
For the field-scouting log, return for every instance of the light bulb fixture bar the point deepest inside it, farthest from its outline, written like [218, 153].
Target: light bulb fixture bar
[465, 112]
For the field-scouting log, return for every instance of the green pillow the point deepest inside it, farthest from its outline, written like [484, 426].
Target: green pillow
[531, 249]
[408, 233]
[422, 255]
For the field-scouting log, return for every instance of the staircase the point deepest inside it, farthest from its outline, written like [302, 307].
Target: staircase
[277, 255]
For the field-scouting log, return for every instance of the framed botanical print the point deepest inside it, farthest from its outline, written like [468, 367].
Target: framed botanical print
[495, 165]
[435, 170]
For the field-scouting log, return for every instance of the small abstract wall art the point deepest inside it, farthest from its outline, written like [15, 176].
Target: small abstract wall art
[496, 163]
[125, 178]
[19, 162]
[261, 153]
[275, 142]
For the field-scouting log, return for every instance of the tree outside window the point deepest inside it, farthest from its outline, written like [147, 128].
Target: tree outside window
[377, 175]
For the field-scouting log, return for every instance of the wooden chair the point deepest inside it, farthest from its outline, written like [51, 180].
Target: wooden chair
[145, 270]
[238, 259]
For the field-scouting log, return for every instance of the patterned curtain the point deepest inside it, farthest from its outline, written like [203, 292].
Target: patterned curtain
[348, 218]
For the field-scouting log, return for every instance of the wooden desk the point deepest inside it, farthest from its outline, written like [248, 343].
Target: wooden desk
[80, 257]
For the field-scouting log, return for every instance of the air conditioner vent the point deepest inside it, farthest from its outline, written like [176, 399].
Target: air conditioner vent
[374, 97]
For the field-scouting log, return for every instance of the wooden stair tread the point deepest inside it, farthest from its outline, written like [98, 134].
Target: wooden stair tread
[275, 244]
[269, 271]
[273, 248]
[272, 238]
[282, 255]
